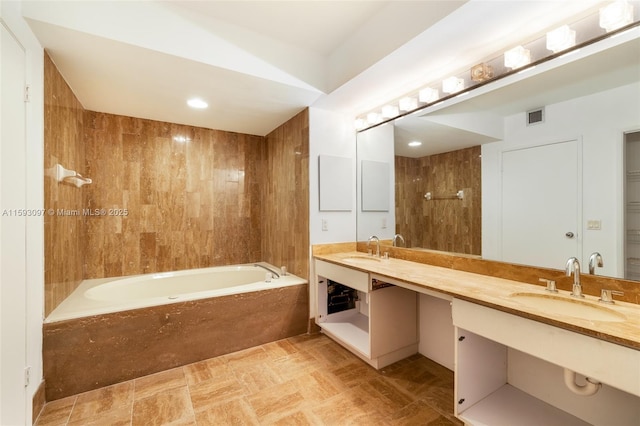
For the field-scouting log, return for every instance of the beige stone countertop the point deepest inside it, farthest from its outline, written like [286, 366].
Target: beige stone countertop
[496, 293]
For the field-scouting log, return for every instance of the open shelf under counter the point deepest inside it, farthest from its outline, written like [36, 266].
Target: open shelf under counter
[510, 406]
[351, 328]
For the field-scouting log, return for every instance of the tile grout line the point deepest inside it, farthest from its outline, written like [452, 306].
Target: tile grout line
[193, 411]
[73, 407]
[133, 402]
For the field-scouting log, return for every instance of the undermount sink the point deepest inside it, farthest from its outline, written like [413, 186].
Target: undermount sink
[567, 306]
[362, 259]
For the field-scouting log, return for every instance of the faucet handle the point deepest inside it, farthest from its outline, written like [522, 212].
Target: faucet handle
[606, 296]
[551, 285]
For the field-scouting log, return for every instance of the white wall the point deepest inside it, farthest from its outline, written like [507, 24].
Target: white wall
[377, 145]
[600, 120]
[330, 133]
[333, 134]
[33, 188]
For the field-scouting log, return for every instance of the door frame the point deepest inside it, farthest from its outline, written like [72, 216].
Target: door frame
[621, 196]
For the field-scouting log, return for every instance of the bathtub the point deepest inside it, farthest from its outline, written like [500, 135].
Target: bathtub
[113, 330]
[107, 295]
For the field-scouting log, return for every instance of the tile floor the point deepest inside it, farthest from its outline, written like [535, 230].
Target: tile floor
[304, 380]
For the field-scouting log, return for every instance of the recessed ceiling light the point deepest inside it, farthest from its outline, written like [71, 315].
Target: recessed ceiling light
[415, 143]
[197, 103]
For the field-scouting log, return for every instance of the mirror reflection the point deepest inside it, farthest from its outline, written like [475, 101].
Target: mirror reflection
[545, 164]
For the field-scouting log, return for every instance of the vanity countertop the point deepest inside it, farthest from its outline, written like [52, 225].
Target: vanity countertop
[497, 293]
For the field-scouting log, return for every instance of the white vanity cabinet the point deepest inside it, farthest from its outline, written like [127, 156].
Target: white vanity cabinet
[377, 321]
[509, 370]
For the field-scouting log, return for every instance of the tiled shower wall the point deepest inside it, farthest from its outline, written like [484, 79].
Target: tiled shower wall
[449, 225]
[285, 206]
[63, 230]
[168, 197]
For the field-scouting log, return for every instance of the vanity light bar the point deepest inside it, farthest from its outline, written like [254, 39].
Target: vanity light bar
[517, 57]
[561, 39]
[408, 103]
[452, 84]
[428, 95]
[616, 15]
[389, 111]
[615, 18]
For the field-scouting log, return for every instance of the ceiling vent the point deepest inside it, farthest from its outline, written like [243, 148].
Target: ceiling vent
[535, 116]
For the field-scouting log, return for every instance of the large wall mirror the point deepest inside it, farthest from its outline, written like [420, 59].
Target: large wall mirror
[531, 170]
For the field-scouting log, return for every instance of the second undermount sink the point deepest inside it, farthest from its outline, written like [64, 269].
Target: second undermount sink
[567, 306]
[362, 258]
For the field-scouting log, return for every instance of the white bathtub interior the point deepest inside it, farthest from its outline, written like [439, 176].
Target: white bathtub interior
[108, 295]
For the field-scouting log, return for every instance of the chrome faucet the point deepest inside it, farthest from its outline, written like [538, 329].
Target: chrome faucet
[401, 238]
[268, 269]
[574, 265]
[377, 240]
[595, 259]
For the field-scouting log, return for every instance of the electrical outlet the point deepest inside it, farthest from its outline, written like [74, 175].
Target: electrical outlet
[594, 225]
[325, 226]
[384, 223]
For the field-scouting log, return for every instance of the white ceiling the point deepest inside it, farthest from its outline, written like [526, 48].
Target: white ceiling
[258, 63]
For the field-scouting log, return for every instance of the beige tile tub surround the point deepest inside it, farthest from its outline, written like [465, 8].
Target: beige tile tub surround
[88, 353]
[494, 292]
[63, 144]
[188, 204]
[284, 216]
[206, 198]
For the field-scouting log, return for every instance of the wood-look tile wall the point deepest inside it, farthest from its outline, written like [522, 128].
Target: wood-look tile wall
[165, 203]
[449, 225]
[285, 201]
[63, 230]
[220, 198]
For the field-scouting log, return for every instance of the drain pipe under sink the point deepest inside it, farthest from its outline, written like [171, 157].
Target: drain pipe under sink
[588, 389]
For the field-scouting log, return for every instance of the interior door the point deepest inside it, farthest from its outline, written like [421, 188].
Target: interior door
[541, 204]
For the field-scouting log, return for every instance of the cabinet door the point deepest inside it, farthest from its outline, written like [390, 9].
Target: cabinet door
[393, 320]
[480, 368]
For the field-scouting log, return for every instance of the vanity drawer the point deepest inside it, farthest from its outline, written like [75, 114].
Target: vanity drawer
[346, 276]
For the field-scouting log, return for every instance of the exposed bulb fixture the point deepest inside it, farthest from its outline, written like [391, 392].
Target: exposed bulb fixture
[616, 15]
[414, 143]
[390, 111]
[360, 123]
[373, 118]
[197, 103]
[452, 85]
[181, 139]
[517, 57]
[561, 39]
[428, 95]
[408, 103]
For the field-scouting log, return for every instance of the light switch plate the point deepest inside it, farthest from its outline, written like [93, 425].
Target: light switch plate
[594, 225]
